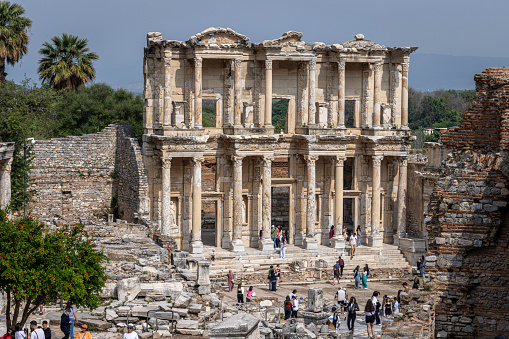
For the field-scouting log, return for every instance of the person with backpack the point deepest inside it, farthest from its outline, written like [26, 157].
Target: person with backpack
[357, 276]
[288, 308]
[336, 268]
[335, 319]
[351, 310]
[341, 264]
[341, 298]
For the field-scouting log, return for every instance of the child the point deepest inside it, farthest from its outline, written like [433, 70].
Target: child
[212, 255]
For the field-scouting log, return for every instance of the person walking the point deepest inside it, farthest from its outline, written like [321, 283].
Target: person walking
[376, 304]
[365, 279]
[335, 319]
[352, 313]
[283, 249]
[341, 263]
[240, 293]
[295, 306]
[341, 298]
[353, 244]
[336, 269]
[369, 311]
[359, 236]
[231, 280]
[288, 307]
[84, 333]
[130, 333]
[357, 276]
[65, 323]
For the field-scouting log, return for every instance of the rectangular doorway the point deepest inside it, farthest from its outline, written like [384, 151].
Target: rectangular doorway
[349, 213]
[281, 207]
[208, 222]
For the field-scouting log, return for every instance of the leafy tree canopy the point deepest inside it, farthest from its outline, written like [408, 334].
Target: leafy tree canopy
[38, 264]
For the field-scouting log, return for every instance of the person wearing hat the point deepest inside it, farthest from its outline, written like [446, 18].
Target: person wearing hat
[84, 333]
[130, 333]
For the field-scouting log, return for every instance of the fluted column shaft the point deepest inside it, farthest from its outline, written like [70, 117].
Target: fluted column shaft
[375, 198]
[312, 93]
[237, 197]
[237, 102]
[166, 196]
[404, 95]
[167, 90]
[266, 197]
[341, 94]
[268, 93]
[377, 95]
[196, 244]
[197, 92]
[338, 187]
[311, 196]
[402, 188]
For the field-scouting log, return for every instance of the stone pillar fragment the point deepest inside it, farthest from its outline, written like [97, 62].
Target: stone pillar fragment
[5, 183]
[167, 91]
[237, 99]
[166, 196]
[196, 244]
[268, 93]
[203, 277]
[338, 241]
[237, 245]
[377, 95]
[266, 242]
[197, 92]
[401, 207]
[375, 239]
[311, 242]
[341, 94]
[312, 93]
[404, 95]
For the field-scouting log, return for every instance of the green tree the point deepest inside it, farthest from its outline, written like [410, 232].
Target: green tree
[279, 112]
[67, 63]
[38, 264]
[13, 35]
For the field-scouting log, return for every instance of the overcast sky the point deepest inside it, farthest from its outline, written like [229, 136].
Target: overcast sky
[116, 29]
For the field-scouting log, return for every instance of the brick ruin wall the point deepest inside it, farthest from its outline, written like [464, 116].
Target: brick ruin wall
[75, 178]
[468, 218]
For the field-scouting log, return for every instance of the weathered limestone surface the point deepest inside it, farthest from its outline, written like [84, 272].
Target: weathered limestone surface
[6, 152]
[239, 326]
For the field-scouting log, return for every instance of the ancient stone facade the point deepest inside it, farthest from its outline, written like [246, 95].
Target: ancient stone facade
[6, 152]
[76, 178]
[345, 141]
[468, 221]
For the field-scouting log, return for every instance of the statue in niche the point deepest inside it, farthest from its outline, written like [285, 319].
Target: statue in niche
[173, 213]
[244, 212]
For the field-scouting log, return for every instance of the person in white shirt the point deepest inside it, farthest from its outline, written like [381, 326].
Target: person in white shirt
[341, 298]
[130, 333]
[395, 306]
[292, 294]
[353, 244]
[37, 333]
[295, 306]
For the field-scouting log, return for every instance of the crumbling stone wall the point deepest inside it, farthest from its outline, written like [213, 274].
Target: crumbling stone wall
[75, 178]
[468, 223]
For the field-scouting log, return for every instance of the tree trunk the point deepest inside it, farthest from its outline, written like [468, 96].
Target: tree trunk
[8, 321]
[16, 311]
[2, 70]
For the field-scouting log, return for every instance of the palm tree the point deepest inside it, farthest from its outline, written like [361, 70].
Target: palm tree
[13, 35]
[67, 63]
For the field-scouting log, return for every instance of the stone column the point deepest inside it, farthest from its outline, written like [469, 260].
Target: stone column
[341, 94]
[196, 244]
[366, 96]
[197, 92]
[268, 94]
[203, 277]
[237, 245]
[404, 95]
[167, 89]
[237, 102]
[312, 93]
[5, 183]
[266, 243]
[311, 242]
[166, 196]
[338, 241]
[377, 95]
[401, 206]
[375, 239]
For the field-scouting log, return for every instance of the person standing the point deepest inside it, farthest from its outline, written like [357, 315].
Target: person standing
[395, 307]
[65, 323]
[231, 280]
[369, 311]
[352, 313]
[366, 268]
[295, 306]
[278, 274]
[283, 249]
[388, 307]
[250, 294]
[341, 263]
[336, 269]
[240, 293]
[341, 298]
[288, 307]
[353, 244]
[46, 329]
[8, 334]
[335, 319]
[421, 266]
[273, 235]
[130, 333]
[84, 333]
[365, 279]
[374, 301]
[18, 332]
[331, 232]
[359, 236]
[37, 333]
[292, 294]
[272, 279]
[73, 317]
[357, 276]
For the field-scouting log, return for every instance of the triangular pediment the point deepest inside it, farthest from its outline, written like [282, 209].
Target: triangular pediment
[219, 36]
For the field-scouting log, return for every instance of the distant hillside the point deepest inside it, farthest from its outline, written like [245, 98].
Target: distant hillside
[429, 72]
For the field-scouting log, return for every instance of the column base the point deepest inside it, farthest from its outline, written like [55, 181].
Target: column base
[196, 247]
[237, 245]
[405, 127]
[311, 244]
[266, 245]
[375, 240]
[299, 239]
[397, 238]
[338, 243]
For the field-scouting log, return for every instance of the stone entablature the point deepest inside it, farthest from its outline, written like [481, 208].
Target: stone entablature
[347, 108]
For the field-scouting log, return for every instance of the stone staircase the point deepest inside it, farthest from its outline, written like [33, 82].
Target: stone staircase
[257, 262]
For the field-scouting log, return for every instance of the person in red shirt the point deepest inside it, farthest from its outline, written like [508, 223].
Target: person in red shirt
[8, 335]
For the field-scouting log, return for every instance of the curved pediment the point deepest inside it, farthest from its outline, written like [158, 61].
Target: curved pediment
[219, 36]
[360, 43]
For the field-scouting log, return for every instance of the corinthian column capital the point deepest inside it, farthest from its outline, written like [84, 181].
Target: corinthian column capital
[268, 64]
[377, 160]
